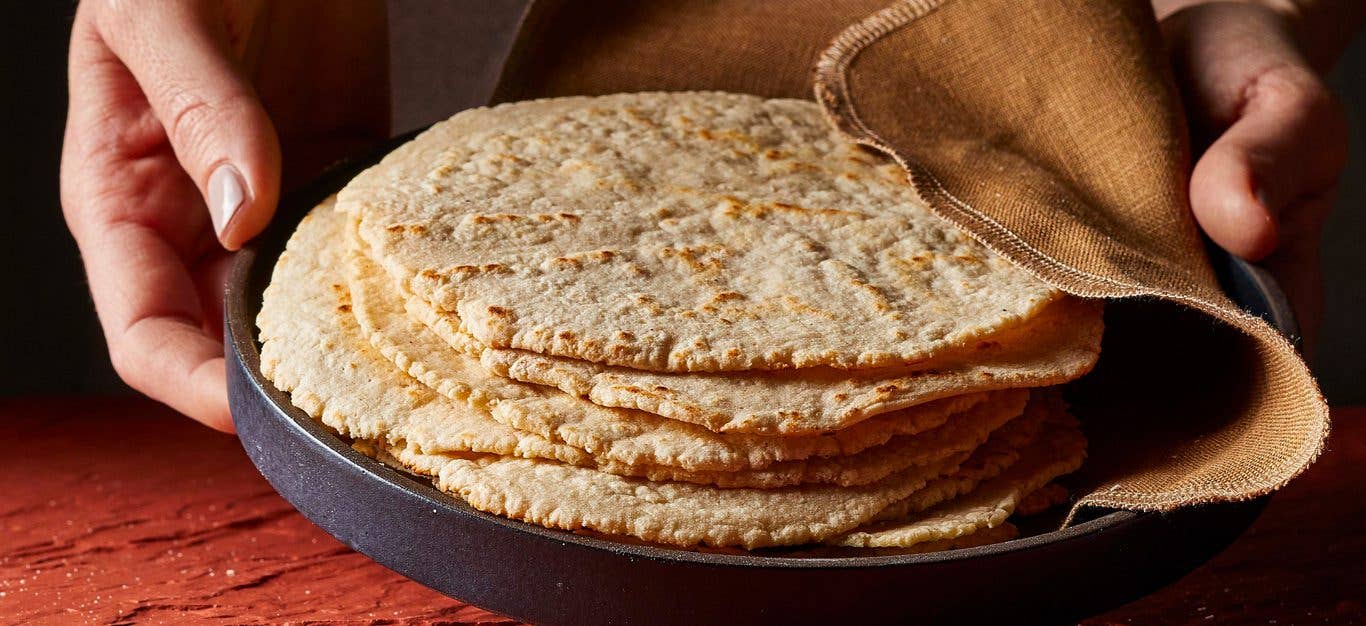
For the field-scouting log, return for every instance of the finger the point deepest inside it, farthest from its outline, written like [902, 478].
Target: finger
[153, 325]
[180, 56]
[1288, 143]
[118, 185]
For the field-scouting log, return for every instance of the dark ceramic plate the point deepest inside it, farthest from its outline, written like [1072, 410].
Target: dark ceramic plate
[553, 577]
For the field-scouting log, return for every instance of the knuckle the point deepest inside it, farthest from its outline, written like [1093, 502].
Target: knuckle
[192, 121]
[1292, 88]
[187, 117]
[1301, 100]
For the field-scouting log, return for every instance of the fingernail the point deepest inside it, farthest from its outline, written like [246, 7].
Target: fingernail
[227, 193]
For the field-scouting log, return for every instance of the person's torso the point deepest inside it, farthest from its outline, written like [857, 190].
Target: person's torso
[590, 47]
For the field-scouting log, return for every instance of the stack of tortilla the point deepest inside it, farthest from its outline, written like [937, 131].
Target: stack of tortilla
[694, 319]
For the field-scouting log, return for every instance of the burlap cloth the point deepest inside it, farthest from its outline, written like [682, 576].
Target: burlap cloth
[1051, 131]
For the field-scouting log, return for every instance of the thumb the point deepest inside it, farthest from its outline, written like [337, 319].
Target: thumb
[1288, 142]
[179, 55]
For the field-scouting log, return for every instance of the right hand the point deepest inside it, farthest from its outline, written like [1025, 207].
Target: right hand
[179, 115]
[1274, 138]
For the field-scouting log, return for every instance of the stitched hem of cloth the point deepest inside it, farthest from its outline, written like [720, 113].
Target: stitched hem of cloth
[831, 87]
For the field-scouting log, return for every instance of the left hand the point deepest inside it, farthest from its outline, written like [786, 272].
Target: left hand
[1274, 138]
[182, 110]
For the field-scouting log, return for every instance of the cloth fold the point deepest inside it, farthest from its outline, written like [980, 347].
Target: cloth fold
[1048, 129]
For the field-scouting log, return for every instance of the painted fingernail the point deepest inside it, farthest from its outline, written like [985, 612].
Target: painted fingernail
[227, 193]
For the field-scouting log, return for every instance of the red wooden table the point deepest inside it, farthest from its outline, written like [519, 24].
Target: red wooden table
[116, 510]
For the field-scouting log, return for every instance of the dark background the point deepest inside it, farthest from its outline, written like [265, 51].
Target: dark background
[443, 59]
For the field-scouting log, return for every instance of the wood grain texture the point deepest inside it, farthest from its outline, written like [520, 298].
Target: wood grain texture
[119, 511]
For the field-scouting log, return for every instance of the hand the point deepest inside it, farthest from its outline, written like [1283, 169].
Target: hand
[1274, 138]
[179, 113]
